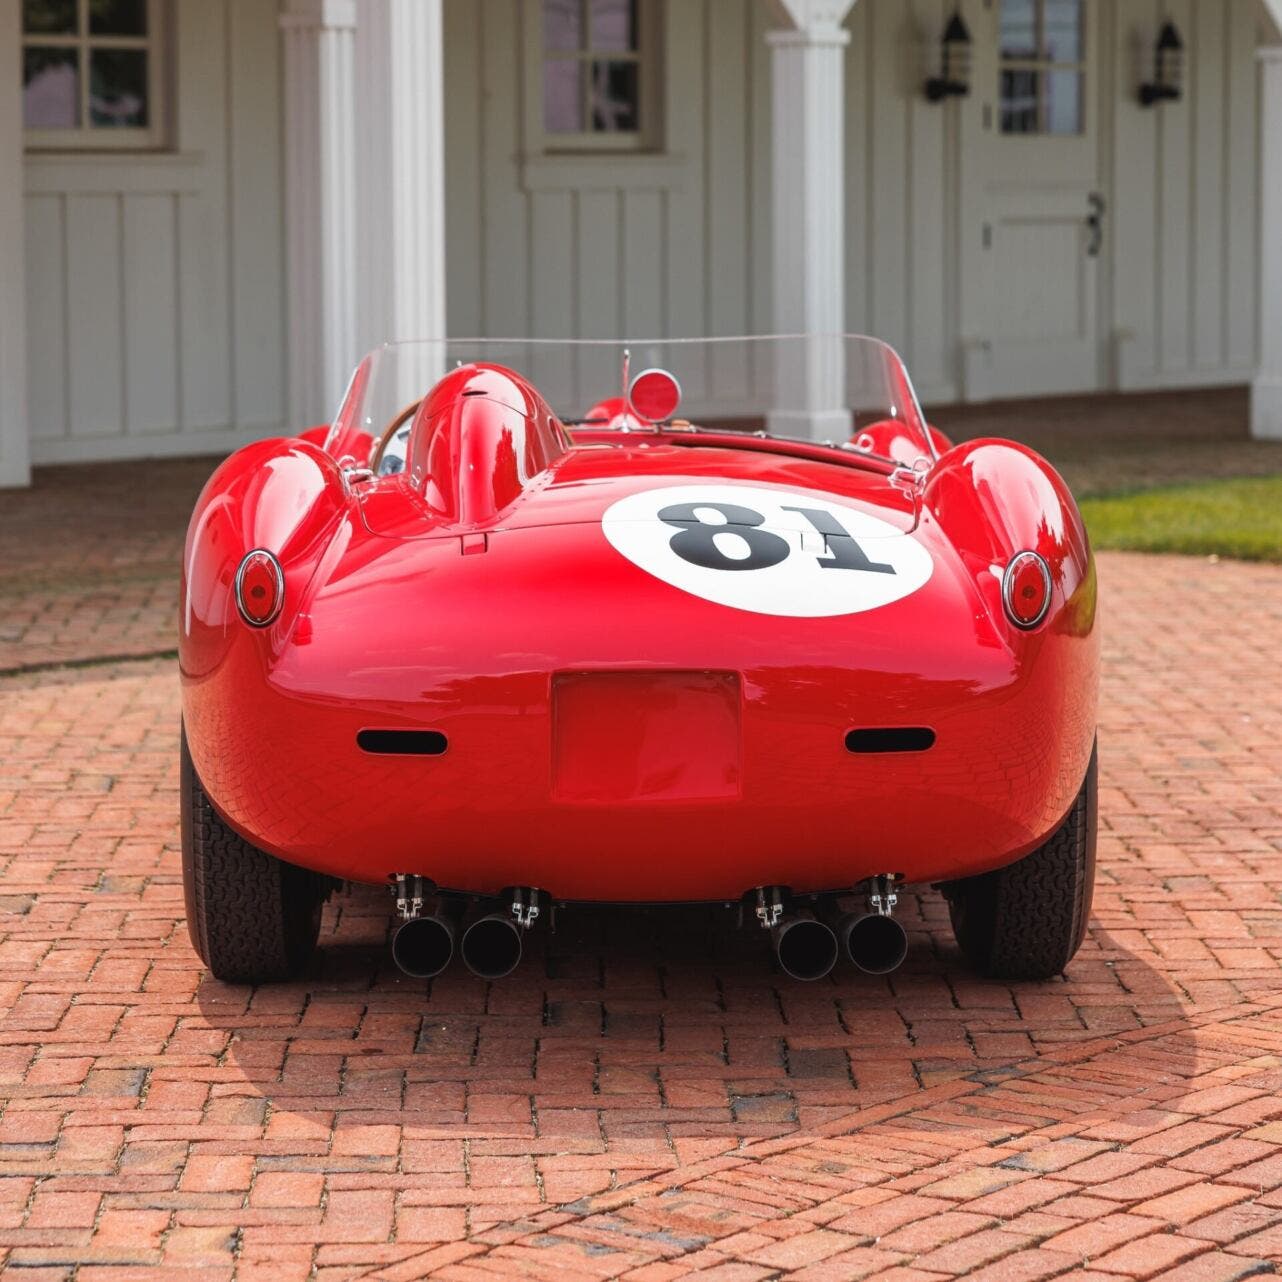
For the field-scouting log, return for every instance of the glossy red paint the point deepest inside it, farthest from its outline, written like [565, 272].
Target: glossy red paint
[892, 438]
[613, 413]
[612, 736]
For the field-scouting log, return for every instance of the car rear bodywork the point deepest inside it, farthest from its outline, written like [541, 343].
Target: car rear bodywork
[484, 674]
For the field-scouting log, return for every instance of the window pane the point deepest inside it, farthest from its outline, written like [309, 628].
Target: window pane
[614, 26]
[1064, 30]
[563, 96]
[50, 88]
[49, 17]
[614, 97]
[1019, 102]
[1019, 28]
[1063, 102]
[118, 88]
[562, 25]
[118, 17]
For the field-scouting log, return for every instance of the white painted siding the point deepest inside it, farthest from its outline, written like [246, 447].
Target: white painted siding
[681, 246]
[599, 246]
[1186, 198]
[154, 281]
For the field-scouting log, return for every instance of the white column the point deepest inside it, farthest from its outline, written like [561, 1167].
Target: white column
[320, 203]
[808, 154]
[1266, 393]
[15, 466]
[401, 170]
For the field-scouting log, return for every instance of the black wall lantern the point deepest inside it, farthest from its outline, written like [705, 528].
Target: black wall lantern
[1167, 84]
[953, 80]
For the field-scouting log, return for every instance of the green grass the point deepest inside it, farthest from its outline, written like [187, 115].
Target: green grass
[1239, 518]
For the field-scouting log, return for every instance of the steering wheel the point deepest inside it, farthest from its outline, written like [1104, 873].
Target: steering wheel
[390, 431]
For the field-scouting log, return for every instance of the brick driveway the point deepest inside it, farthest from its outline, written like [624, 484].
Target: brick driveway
[646, 1097]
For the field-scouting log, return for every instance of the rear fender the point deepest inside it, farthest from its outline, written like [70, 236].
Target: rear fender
[286, 496]
[993, 499]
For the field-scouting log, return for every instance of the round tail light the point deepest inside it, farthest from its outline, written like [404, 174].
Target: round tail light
[259, 588]
[1026, 589]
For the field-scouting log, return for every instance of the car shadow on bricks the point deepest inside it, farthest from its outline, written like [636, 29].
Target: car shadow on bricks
[635, 1041]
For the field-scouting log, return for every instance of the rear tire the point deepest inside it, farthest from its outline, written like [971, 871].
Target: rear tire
[252, 918]
[1026, 921]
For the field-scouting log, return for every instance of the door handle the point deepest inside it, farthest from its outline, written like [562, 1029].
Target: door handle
[1095, 224]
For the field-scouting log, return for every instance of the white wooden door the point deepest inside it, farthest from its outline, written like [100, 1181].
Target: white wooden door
[1035, 222]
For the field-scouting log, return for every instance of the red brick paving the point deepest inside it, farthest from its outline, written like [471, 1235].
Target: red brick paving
[647, 1098]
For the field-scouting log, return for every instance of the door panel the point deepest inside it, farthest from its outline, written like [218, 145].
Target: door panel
[1033, 222]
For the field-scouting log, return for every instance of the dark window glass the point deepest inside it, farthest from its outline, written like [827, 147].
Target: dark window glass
[1042, 83]
[1019, 102]
[118, 88]
[50, 88]
[49, 17]
[614, 97]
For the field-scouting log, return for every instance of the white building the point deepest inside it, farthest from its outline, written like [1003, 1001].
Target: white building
[211, 207]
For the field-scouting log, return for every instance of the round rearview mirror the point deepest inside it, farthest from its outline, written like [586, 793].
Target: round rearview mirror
[654, 395]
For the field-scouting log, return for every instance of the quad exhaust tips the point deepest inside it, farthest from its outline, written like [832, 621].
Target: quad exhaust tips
[491, 946]
[807, 947]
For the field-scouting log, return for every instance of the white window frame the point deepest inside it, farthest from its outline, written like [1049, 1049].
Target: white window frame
[1043, 67]
[647, 138]
[88, 137]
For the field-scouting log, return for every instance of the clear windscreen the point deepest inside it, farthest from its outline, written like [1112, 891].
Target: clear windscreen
[826, 388]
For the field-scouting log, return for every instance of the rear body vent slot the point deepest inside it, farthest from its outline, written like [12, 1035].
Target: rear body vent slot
[402, 743]
[891, 739]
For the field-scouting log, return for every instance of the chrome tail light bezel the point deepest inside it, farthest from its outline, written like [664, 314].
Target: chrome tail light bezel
[1014, 566]
[238, 586]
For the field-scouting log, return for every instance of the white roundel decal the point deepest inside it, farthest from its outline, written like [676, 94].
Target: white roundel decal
[771, 551]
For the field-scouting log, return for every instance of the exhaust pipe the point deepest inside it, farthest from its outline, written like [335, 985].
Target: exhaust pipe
[805, 946]
[422, 946]
[875, 942]
[492, 946]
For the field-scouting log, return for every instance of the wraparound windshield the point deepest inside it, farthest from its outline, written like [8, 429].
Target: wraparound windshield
[831, 388]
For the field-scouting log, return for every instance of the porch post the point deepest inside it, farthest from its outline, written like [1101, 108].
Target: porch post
[1266, 393]
[808, 104]
[320, 195]
[15, 468]
[400, 170]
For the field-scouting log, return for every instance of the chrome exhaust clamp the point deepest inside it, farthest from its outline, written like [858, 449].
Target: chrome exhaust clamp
[882, 896]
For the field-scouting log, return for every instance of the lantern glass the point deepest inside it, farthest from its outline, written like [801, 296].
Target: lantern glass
[1170, 68]
[957, 64]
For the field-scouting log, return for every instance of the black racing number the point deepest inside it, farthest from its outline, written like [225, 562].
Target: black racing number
[844, 552]
[696, 541]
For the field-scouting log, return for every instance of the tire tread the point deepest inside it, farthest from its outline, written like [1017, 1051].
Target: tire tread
[252, 918]
[1026, 921]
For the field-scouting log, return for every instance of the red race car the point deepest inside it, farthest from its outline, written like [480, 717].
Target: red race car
[508, 634]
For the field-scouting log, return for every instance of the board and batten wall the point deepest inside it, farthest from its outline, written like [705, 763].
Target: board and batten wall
[155, 281]
[605, 246]
[679, 244]
[1185, 199]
